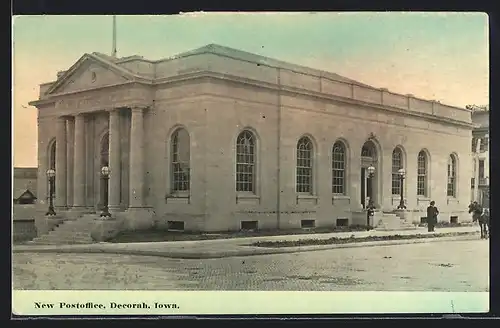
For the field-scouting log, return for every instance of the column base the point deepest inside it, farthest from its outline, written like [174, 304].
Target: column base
[115, 208]
[139, 218]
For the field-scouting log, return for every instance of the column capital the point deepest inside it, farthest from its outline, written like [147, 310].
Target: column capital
[64, 118]
[139, 108]
[113, 109]
[79, 115]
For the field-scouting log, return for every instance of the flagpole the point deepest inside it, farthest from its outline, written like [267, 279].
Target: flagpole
[113, 51]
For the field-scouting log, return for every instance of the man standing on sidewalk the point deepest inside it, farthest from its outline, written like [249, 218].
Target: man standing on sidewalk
[432, 213]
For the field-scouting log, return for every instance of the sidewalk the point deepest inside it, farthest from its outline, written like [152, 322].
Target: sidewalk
[218, 248]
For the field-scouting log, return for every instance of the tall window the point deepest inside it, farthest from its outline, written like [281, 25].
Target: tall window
[397, 163]
[422, 174]
[484, 144]
[245, 162]
[304, 166]
[481, 169]
[452, 181]
[338, 168]
[180, 153]
[474, 144]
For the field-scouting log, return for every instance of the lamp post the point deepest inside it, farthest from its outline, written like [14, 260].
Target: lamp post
[51, 174]
[371, 206]
[105, 177]
[402, 174]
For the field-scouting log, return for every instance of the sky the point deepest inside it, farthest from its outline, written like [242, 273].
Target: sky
[441, 56]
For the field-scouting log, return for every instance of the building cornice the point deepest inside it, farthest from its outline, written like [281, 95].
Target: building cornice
[313, 94]
[260, 84]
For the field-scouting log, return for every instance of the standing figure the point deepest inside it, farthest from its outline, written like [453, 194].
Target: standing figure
[482, 216]
[432, 213]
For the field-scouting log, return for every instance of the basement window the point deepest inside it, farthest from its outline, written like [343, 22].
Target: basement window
[342, 222]
[175, 225]
[453, 219]
[307, 224]
[249, 225]
[423, 220]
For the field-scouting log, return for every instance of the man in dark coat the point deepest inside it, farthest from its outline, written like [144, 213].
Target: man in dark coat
[432, 213]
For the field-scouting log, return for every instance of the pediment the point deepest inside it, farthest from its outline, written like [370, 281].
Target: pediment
[88, 73]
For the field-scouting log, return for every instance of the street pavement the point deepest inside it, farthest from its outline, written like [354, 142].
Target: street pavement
[217, 248]
[433, 266]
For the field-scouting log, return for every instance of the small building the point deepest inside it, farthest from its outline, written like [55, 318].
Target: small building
[24, 209]
[481, 155]
[25, 185]
[221, 139]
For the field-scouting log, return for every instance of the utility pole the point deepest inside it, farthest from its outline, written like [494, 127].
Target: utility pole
[113, 50]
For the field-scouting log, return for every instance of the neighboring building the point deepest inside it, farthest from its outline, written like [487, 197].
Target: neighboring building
[25, 188]
[24, 199]
[220, 139]
[481, 159]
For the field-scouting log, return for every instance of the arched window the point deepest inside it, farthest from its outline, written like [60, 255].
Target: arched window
[422, 174]
[180, 156]
[338, 168]
[452, 177]
[304, 172]
[397, 163]
[245, 162]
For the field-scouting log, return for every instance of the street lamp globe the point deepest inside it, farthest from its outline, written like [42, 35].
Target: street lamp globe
[51, 173]
[105, 171]
[402, 172]
[371, 170]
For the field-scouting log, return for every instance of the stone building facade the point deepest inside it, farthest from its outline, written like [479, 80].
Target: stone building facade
[219, 139]
[481, 155]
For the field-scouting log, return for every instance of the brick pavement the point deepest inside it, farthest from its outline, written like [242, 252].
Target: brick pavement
[449, 266]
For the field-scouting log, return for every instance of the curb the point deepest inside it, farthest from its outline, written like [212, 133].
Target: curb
[245, 252]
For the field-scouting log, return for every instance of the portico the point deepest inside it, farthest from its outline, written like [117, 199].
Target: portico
[75, 185]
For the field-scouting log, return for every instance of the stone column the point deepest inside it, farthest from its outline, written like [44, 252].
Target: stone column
[79, 163]
[70, 133]
[61, 167]
[114, 186]
[136, 184]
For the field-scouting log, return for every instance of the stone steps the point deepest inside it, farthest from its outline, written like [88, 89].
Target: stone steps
[69, 232]
[392, 222]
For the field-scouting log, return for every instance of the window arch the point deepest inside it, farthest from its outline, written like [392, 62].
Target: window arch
[422, 174]
[245, 162]
[452, 176]
[180, 158]
[397, 163]
[339, 168]
[304, 173]
[369, 150]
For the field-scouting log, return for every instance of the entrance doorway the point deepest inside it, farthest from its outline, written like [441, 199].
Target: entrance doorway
[368, 184]
[104, 161]
[366, 187]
